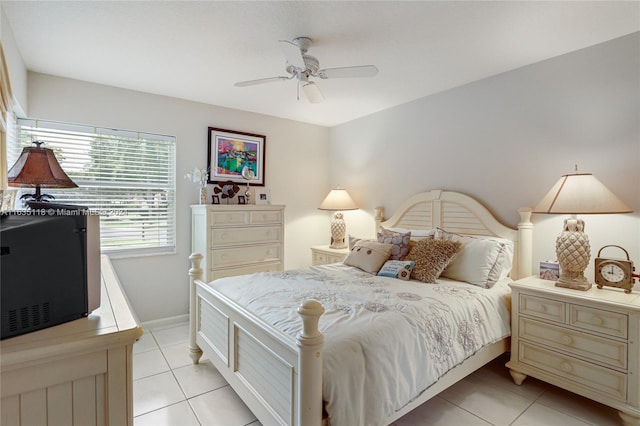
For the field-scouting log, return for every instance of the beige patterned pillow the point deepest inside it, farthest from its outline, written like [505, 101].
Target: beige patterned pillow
[431, 257]
[368, 256]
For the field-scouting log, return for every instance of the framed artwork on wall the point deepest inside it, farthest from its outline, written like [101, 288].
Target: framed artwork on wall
[229, 152]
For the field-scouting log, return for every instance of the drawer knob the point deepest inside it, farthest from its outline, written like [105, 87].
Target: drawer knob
[567, 340]
[566, 367]
[597, 320]
[223, 236]
[541, 307]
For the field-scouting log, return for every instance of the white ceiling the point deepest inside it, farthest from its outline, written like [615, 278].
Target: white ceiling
[197, 50]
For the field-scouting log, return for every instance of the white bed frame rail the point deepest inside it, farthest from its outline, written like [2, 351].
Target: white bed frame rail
[260, 363]
[279, 378]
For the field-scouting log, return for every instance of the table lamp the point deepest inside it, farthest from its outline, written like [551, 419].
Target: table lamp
[573, 194]
[38, 167]
[338, 200]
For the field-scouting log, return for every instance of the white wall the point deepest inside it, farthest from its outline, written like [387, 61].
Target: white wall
[296, 173]
[506, 140]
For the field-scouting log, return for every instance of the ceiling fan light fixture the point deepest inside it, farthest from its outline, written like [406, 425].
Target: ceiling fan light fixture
[312, 92]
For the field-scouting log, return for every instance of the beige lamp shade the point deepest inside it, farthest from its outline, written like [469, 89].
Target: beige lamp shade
[338, 199]
[580, 193]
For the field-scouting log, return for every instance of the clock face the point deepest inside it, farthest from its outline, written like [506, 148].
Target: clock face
[612, 272]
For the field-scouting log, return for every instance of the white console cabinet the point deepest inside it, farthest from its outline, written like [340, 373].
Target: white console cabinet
[76, 373]
[238, 239]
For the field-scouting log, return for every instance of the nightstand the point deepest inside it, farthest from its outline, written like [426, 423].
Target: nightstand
[586, 342]
[322, 255]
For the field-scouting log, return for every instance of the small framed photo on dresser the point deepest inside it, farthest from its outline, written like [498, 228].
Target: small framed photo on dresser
[215, 199]
[241, 199]
[262, 196]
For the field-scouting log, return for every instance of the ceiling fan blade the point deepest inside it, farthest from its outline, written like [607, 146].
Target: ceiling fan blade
[348, 72]
[313, 93]
[293, 54]
[260, 81]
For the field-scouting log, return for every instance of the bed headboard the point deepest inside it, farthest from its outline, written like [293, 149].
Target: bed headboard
[459, 213]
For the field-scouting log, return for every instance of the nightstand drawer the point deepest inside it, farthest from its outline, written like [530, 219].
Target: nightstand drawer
[575, 342]
[255, 235]
[598, 379]
[540, 307]
[245, 255]
[598, 320]
[320, 258]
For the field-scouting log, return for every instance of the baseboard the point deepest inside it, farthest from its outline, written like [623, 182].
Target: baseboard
[159, 324]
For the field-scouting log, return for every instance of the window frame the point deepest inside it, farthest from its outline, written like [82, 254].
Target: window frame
[160, 211]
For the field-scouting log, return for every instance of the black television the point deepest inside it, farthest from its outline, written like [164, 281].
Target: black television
[49, 266]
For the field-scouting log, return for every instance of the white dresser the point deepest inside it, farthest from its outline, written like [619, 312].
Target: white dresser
[584, 341]
[79, 372]
[238, 239]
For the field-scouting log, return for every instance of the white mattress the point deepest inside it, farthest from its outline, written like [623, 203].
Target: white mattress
[386, 340]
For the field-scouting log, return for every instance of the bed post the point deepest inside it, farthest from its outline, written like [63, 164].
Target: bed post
[195, 273]
[525, 243]
[310, 341]
[379, 217]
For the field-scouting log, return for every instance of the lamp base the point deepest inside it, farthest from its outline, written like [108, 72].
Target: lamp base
[575, 281]
[338, 231]
[573, 251]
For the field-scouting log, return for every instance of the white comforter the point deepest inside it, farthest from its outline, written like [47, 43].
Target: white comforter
[386, 340]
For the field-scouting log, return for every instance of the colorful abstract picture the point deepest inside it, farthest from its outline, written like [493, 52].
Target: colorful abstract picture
[230, 152]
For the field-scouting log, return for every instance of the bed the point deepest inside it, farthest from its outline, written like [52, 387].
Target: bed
[273, 357]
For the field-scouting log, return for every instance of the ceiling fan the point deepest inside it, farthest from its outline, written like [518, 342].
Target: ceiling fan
[302, 66]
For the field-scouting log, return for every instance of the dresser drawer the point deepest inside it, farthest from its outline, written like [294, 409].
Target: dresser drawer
[265, 217]
[243, 255]
[576, 342]
[224, 218]
[230, 272]
[598, 320]
[257, 234]
[541, 307]
[609, 383]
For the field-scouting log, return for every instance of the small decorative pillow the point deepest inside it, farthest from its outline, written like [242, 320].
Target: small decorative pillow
[397, 269]
[431, 257]
[368, 255]
[353, 240]
[399, 240]
[483, 261]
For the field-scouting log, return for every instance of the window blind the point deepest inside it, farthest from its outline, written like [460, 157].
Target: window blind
[127, 177]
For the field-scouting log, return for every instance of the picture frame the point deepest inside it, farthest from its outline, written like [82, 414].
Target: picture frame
[241, 199]
[262, 196]
[215, 199]
[229, 151]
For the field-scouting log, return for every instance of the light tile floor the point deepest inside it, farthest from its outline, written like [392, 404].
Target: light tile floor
[169, 390]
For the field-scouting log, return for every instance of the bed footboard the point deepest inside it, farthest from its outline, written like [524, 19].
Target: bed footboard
[279, 379]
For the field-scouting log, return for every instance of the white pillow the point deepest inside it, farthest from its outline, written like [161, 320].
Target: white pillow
[483, 261]
[369, 255]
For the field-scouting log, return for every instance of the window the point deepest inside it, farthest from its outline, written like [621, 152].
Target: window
[127, 177]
